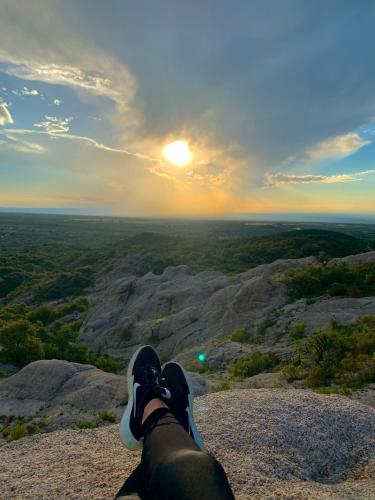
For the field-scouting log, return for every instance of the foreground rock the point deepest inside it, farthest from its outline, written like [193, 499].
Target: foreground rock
[61, 393]
[272, 443]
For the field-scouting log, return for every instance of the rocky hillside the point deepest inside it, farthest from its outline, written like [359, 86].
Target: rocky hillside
[182, 313]
[272, 443]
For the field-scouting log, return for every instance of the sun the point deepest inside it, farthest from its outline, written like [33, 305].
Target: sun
[178, 153]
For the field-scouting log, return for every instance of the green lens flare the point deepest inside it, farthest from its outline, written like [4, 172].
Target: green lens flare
[201, 357]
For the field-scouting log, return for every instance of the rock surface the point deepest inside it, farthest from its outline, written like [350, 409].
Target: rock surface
[272, 443]
[64, 393]
[177, 311]
[182, 314]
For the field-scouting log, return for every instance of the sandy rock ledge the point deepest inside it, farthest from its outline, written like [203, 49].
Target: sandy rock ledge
[273, 444]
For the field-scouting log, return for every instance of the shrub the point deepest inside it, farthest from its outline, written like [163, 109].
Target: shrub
[298, 331]
[336, 280]
[18, 431]
[20, 342]
[257, 363]
[195, 365]
[83, 424]
[105, 363]
[126, 334]
[292, 372]
[316, 376]
[3, 374]
[107, 416]
[341, 355]
[240, 335]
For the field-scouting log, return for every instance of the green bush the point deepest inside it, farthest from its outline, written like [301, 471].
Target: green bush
[298, 331]
[3, 374]
[336, 280]
[20, 342]
[194, 365]
[240, 335]
[67, 284]
[126, 334]
[18, 431]
[340, 355]
[26, 340]
[257, 363]
[83, 424]
[292, 372]
[107, 416]
[105, 363]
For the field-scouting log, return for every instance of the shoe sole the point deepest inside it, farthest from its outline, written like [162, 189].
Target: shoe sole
[126, 434]
[196, 435]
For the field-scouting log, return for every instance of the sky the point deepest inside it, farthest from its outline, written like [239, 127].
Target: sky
[269, 106]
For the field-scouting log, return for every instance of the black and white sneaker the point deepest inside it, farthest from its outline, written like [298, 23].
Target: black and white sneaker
[144, 384]
[177, 380]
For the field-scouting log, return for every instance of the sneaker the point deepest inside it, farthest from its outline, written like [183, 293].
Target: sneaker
[144, 384]
[177, 380]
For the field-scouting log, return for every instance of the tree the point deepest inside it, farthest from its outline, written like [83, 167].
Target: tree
[20, 342]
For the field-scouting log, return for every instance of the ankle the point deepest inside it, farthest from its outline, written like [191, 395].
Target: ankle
[151, 406]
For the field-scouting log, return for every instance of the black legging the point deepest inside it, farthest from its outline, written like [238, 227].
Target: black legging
[174, 467]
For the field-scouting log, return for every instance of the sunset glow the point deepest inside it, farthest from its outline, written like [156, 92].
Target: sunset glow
[178, 153]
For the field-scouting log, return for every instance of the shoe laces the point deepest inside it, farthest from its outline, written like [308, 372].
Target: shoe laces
[152, 379]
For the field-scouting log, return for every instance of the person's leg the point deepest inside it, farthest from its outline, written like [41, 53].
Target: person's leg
[176, 467]
[173, 466]
[133, 486]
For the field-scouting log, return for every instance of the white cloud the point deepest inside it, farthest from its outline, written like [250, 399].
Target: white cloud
[5, 116]
[25, 91]
[16, 133]
[57, 102]
[281, 179]
[337, 147]
[94, 81]
[19, 144]
[54, 125]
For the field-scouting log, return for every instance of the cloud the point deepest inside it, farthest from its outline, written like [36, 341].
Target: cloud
[57, 102]
[25, 91]
[337, 147]
[281, 179]
[97, 82]
[5, 116]
[49, 131]
[38, 43]
[20, 145]
[54, 125]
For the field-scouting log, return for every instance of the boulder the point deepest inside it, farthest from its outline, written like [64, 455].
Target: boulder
[61, 392]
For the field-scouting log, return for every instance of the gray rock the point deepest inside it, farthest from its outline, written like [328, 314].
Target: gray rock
[360, 258]
[176, 311]
[199, 384]
[320, 314]
[64, 392]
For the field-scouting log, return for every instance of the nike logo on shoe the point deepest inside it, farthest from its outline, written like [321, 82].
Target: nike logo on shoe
[135, 387]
